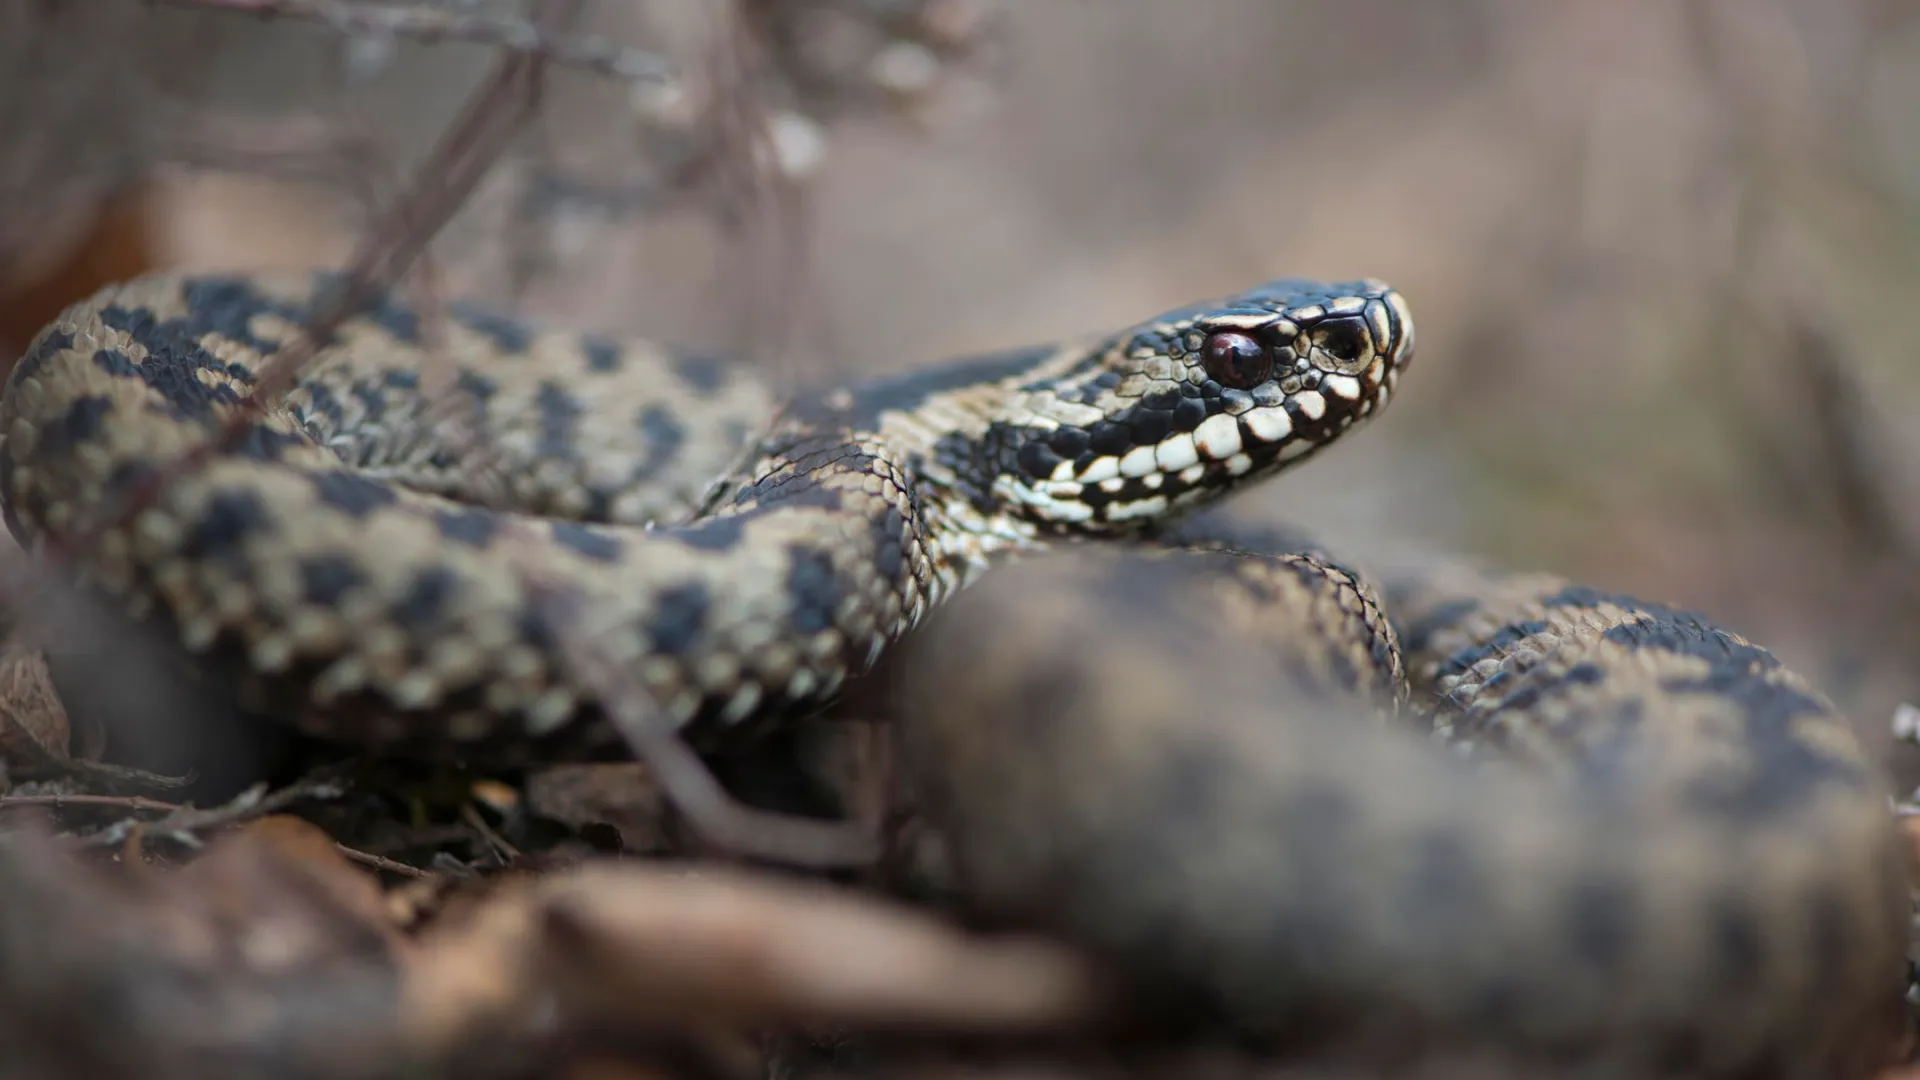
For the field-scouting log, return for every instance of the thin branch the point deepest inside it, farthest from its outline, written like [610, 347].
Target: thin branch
[689, 785]
[493, 115]
[184, 821]
[501, 847]
[136, 803]
[180, 820]
[521, 36]
[381, 862]
[139, 804]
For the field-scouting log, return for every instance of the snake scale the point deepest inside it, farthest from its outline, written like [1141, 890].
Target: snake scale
[1651, 850]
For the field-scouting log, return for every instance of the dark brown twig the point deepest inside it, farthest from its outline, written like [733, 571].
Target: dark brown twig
[491, 117]
[488, 122]
[501, 847]
[381, 862]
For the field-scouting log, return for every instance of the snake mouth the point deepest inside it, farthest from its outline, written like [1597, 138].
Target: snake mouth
[1208, 399]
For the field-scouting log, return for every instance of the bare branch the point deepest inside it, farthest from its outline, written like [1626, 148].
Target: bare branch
[715, 814]
[492, 116]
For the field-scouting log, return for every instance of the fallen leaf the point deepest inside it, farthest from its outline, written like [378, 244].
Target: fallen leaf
[622, 795]
[33, 724]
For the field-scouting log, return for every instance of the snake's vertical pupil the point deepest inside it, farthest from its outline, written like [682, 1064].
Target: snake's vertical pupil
[1235, 360]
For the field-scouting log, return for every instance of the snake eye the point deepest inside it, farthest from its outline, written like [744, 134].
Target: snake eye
[1237, 361]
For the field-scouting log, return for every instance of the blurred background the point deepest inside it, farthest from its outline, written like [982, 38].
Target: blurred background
[1664, 254]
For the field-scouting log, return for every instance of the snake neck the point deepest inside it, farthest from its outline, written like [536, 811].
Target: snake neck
[1120, 435]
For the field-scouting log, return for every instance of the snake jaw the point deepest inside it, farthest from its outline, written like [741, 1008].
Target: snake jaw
[1199, 401]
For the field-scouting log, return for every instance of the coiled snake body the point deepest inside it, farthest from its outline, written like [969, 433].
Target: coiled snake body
[358, 566]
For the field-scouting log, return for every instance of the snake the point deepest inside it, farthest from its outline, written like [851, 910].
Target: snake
[1640, 840]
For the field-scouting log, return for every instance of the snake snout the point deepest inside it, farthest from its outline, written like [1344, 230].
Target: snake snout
[1299, 362]
[1358, 327]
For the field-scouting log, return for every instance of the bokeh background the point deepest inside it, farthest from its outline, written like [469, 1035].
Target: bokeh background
[1664, 254]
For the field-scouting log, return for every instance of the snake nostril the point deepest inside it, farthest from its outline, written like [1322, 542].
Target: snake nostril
[1237, 361]
[1345, 341]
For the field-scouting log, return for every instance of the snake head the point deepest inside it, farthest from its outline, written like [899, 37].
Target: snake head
[1181, 409]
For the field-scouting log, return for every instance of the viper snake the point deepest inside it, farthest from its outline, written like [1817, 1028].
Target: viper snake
[1617, 836]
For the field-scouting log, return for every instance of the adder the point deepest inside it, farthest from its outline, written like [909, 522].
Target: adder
[1680, 860]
